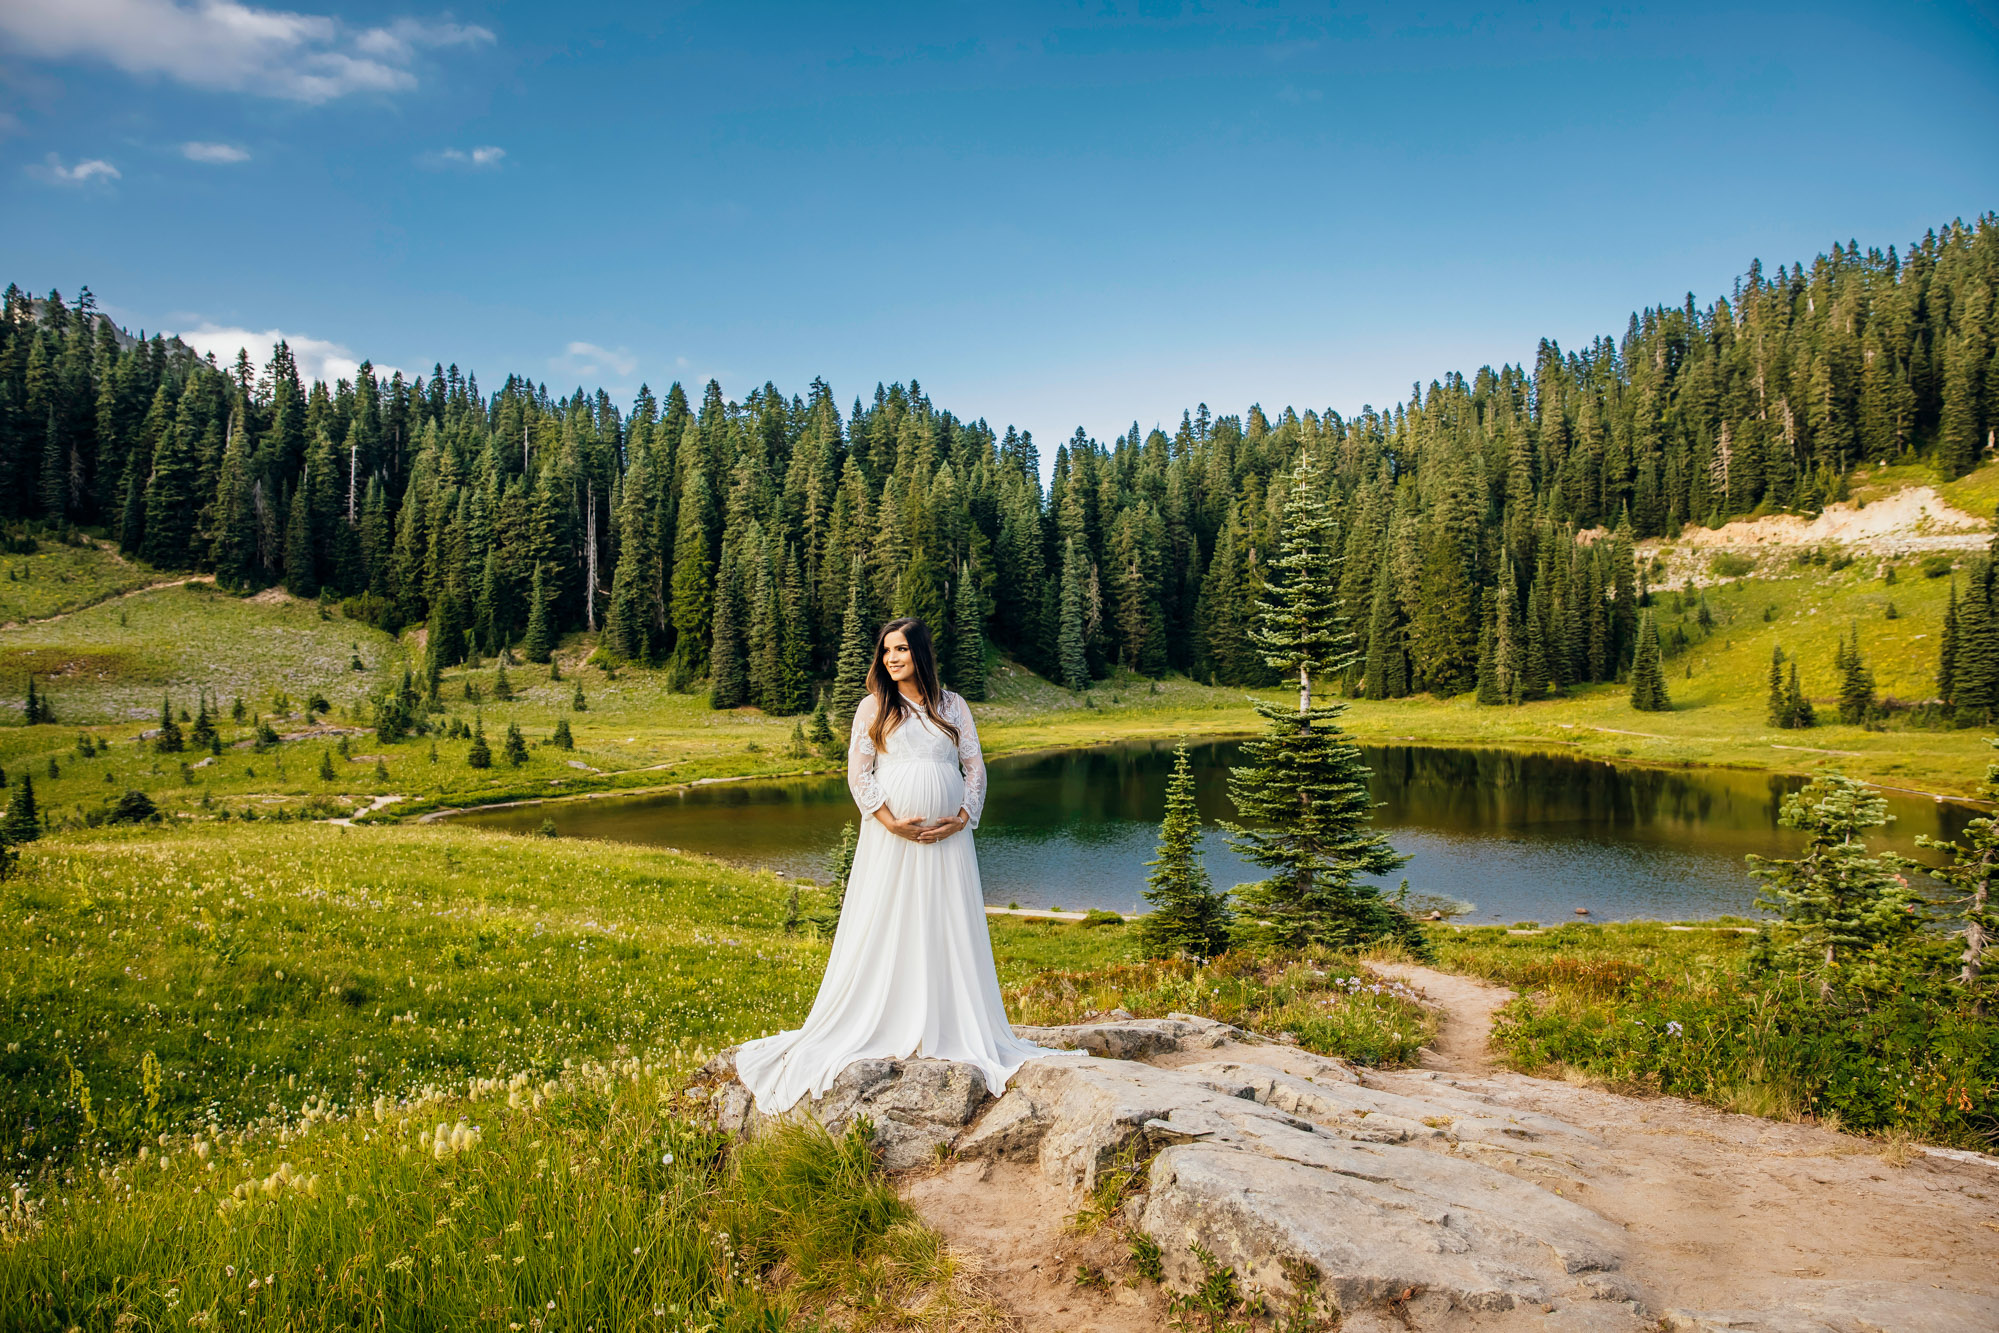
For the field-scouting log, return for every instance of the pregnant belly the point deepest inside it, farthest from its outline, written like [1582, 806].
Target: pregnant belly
[922, 790]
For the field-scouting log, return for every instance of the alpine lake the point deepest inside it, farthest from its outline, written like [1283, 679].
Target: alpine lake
[1522, 837]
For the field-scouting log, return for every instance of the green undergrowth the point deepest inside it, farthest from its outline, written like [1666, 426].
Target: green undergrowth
[1647, 1008]
[582, 1202]
[1326, 1002]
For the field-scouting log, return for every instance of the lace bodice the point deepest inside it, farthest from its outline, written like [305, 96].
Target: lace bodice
[917, 740]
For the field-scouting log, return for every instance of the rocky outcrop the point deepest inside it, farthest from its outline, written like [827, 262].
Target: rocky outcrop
[1280, 1169]
[1411, 1200]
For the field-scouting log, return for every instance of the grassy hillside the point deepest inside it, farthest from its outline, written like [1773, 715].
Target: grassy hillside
[56, 578]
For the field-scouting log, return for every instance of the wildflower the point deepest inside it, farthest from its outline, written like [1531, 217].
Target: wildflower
[1673, 1028]
[666, 1160]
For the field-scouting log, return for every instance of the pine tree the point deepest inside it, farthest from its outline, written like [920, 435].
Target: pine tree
[1840, 901]
[968, 653]
[1947, 652]
[481, 754]
[168, 739]
[1856, 682]
[203, 735]
[562, 738]
[326, 772]
[577, 702]
[728, 658]
[1648, 675]
[1798, 709]
[539, 641]
[516, 748]
[857, 646]
[820, 734]
[23, 823]
[1188, 916]
[1776, 710]
[1303, 794]
[1072, 651]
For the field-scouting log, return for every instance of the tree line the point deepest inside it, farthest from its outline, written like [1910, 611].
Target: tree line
[1483, 528]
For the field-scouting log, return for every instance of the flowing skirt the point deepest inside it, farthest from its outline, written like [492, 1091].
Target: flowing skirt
[911, 971]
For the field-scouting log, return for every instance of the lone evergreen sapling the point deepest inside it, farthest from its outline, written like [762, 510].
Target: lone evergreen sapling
[1187, 915]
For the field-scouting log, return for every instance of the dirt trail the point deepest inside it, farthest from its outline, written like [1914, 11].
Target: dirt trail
[114, 597]
[1734, 1222]
[1736, 1213]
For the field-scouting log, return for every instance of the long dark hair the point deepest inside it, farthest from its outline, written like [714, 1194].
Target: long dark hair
[890, 706]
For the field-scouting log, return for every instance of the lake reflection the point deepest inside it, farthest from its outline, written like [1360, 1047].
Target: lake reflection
[1523, 836]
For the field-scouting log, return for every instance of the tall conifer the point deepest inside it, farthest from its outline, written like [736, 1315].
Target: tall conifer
[1302, 795]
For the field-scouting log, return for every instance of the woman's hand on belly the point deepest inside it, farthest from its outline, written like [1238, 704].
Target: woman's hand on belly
[913, 828]
[940, 829]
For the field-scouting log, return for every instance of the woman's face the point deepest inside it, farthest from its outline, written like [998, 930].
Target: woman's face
[896, 658]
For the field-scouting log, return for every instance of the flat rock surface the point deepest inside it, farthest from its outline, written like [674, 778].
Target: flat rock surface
[1454, 1196]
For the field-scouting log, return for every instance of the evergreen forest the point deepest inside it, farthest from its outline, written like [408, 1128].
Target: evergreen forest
[1484, 526]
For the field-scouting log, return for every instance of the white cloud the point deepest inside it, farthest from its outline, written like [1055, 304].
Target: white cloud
[317, 358]
[215, 153]
[229, 46]
[485, 157]
[586, 359]
[84, 172]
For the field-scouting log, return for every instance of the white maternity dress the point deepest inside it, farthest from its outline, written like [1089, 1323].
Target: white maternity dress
[911, 971]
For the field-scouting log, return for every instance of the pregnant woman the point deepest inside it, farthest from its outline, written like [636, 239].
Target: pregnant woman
[911, 971]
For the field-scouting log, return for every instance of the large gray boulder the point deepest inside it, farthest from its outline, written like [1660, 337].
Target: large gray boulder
[917, 1107]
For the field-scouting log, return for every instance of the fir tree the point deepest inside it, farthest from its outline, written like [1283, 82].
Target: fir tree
[481, 754]
[1776, 710]
[516, 749]
[577, 702]
[728, 660]
[562, 738]
[1303, 794]
[539, 641]
[1840, 902]
[968, 650]
[168, 739]
[820, 733]
[1798, 709]
[1856, 682]
[23, 823]
[503, 689]
[1072, 641]
[326, 770]
[1648, 675]
[1188, 916]
[203, 735]
[857, 646]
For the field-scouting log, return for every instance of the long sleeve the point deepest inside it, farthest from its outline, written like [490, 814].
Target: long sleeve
[861, 760]
[971, 760]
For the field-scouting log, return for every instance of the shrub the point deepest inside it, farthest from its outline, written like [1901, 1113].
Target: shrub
[1729, 564]
[1936, 565]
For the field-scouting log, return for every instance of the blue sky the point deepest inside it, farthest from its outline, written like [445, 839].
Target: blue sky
[1052, 214]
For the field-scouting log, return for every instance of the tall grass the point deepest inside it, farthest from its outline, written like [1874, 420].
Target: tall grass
[581, 1203]
[154, 980]
[1648, 1008]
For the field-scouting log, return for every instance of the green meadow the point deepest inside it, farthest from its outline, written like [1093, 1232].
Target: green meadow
[264, 1070]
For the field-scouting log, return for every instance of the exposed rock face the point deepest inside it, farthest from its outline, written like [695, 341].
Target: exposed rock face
[1428, 1205]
